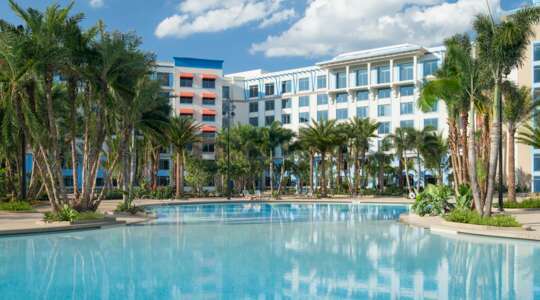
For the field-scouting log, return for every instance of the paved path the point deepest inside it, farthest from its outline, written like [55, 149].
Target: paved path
[528, 218]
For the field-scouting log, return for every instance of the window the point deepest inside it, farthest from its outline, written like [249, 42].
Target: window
[433, 108]
[536, 184]
[384, 93]
[322, 99]
[362, 112]
[361, 77]
[383, 110]
[208, 135]
[268, 120]
[537, 52]
[341, 80]
[342, 98]
[186, 82]
[430, 67]
[208, 148]
[342, 114]
[209, 118]
[269, 105]
[226, 92]
[383, 74]
[384, 128]
[406, 124]
[208, 83]
[269, 89]
[253, 91]
[407, 90]
[163, 181]
[536, 163]
[254, 121]
[322, 115]
[164, 78]
[362, 95]
[321, 81]
[433, 123]
[253, 107]
[208, 101]
[303, 101]
[186, 100]
[406, 72]
[286, 119]
[303, 117]
[164, 164]
[537, 74]
[406, 108]
[68, 181]
[286, 103]
[303, 84]
[163, 150]
[286, 86]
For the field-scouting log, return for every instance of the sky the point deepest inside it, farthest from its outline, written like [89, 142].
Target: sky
[276, 34]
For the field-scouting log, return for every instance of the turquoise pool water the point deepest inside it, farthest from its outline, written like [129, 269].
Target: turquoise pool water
[261, 251]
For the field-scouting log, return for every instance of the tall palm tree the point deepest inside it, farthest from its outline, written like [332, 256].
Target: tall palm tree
[272, 137]
[321, 135]
[435, 155]
[518, 108]
[403, 140]
[363, 130]
[423, 140]
[305, 144]
[182, 132]
[502, 46]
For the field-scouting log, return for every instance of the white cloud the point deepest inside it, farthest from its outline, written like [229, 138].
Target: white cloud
[197, 16]
[278, 17]
[334, 26]
[97, 3]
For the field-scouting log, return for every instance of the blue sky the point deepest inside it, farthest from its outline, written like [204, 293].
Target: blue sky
[276, 34]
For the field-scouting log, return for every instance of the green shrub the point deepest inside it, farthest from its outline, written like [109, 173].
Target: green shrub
[472, 217]
[464, 198]
[164, 192]
[529, 203]
[64, 214]
[15, 206]
[432, 201]
[129, 208]
[90, 215]
[114, 194]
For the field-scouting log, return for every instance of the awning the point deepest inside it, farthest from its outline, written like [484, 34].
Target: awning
[187, 94]
[209, 76]
[208, 112]
[208, 95]
[208, 128]
[186, 75]
[186, 111]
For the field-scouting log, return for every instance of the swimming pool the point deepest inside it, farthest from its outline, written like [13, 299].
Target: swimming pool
[268, 251]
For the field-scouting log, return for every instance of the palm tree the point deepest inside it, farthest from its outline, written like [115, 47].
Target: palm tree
[518, 108]
[501, 46]
[305, 144]
[321, 136]
[422, 140]
[363, 130]
[272, 137]
[403, 140]
[435, 155]
[182, 132]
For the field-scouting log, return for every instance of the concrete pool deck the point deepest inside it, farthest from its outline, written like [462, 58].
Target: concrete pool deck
[31, 222]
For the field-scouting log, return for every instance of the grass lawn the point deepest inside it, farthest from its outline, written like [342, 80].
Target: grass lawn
[528, 203]
[472, 217]
[18, 206]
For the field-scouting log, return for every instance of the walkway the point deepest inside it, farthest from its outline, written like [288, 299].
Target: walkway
[530, 219]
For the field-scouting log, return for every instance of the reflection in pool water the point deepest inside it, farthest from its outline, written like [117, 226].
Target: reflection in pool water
[247, 251]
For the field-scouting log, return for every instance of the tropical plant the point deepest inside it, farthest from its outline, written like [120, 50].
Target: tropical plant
[403, 141]
[432, 201]
[182, 133]
[363, 130]
[518, 108]
[464, 197]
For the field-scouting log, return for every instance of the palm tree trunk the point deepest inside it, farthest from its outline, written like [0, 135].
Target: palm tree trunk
[72, 94]
[125, 165]
[339, 167]
[179, 174]
[511, 172]
[271, 172]
[356, 180]
[323, 174]
[419, 172]
[464, 142]
[311, 170]
[407, 180]
[473, 179]
[493, 151]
